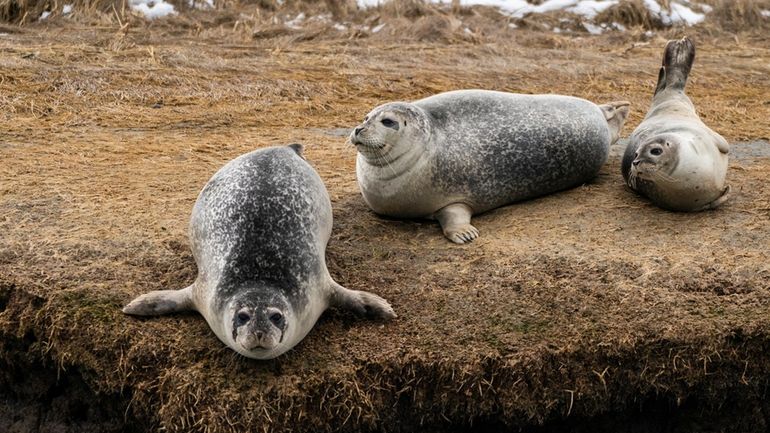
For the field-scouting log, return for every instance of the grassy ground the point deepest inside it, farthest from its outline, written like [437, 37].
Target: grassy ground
[569, 308]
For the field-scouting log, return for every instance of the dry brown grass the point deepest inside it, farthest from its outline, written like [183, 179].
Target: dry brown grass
[739, 15]
[407, 18]
[583, 303]
[631, 14]
[27, 11]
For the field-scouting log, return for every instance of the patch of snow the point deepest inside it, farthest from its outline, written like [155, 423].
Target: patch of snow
[519, 8]
[378, 27]
[765, 13]
[152, 9]
[556, 30]
[324, 18]
[593, 28]
[551, 5]
[296, 22]
[590, 9]
[619, 27]
[513, 25]
[653, 6]
[45, 15]
[202, 5]
[340, 27]
[678, 12]
[66, 9]
[682, 14]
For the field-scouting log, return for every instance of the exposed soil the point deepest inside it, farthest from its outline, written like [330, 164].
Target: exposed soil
[587, 310]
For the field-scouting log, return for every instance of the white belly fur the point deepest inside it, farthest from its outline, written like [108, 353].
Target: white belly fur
[402, 189]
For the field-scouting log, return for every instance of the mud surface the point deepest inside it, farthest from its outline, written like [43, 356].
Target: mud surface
[581, 309]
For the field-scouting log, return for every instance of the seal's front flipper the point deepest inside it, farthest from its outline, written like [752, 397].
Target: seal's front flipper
[363, 303]
[616, 114]
[455, 220]
[719, 201]
[161, 302]
[722, 144]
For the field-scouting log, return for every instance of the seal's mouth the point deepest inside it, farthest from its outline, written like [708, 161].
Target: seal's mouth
[366, 147]
[257, 342]
[358, 138]
[370, 146]
[643, 168]
[645, 171]
[258, 346]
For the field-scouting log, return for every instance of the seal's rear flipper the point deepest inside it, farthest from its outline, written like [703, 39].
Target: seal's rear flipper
[719, 201]
[677, 62]
[616, 114]
[161, 302]
[363, 303]
[661, 81]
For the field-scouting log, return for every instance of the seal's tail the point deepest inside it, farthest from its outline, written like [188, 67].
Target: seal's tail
[677, 62]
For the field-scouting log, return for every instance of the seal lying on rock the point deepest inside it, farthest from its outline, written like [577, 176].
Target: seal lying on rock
[673, 158]
[258, 233]
[461, 153]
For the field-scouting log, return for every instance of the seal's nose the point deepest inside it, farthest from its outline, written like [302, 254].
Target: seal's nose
[636, 162]
[358, 130]
[259, 335]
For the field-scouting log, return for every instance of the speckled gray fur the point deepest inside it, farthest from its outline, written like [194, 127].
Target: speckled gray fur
[262, 221]
[533, 145]
[480, 149]
[258, 233]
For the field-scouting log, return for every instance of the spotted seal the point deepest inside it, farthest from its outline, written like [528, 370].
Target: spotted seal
[673, 158]
[457, 154]
[258, 233]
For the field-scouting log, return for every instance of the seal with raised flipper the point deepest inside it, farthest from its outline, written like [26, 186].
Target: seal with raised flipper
[258, 233]
[457, 154]
[673, 158]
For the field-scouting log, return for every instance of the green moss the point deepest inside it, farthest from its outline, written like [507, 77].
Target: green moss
[88, 304]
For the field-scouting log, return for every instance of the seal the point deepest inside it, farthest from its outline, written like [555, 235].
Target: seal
[258, 233]
[457, 154]
[673, 158]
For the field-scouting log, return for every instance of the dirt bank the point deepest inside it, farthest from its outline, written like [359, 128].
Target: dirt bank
[577, 310]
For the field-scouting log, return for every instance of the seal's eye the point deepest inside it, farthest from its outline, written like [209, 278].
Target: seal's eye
[276, 318]
[243, 317]
[389, 123]
[656, 151]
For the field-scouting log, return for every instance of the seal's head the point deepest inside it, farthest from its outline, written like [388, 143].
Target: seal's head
[656, 158]
[390, 130]
[259, 323]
